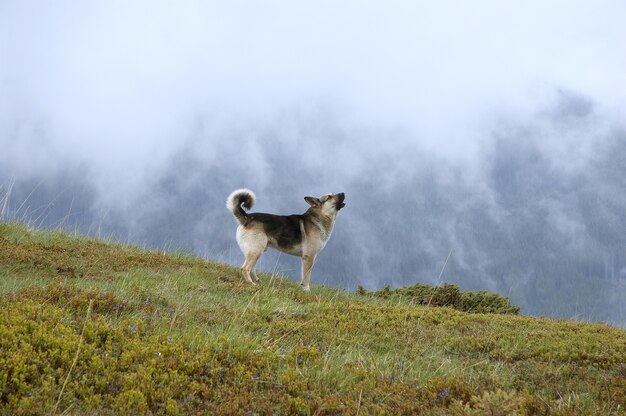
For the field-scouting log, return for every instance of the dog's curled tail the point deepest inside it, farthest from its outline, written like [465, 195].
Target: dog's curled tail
[239, 198]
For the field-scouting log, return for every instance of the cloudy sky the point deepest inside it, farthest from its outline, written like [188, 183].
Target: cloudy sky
[155, 107]
[117, 84]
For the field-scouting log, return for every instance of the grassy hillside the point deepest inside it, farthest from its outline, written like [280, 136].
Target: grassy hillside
[92, 327]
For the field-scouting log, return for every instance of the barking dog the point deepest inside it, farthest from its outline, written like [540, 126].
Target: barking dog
[302, 235]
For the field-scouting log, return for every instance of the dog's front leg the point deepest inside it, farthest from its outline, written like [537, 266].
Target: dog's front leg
[307, 266]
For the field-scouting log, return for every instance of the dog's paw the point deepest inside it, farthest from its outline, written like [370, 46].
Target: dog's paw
[305, 288]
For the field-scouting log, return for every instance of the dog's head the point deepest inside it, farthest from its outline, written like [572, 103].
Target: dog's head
[329, 204]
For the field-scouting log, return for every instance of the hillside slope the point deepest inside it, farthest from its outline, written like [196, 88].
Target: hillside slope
[93, 327]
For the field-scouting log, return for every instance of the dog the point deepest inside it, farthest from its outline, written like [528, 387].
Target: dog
[302, 235]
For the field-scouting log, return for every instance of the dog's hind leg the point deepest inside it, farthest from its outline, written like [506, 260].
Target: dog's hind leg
[254, 275]
[307, 266]
[253, 244]
[247, 269]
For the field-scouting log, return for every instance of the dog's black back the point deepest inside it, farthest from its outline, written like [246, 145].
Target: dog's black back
[284, 229]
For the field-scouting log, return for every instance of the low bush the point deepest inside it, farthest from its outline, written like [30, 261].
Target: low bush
[446, 295]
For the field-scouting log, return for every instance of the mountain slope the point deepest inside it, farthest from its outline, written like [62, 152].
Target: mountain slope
[93, 327]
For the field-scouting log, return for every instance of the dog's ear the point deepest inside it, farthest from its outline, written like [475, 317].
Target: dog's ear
[314, 202]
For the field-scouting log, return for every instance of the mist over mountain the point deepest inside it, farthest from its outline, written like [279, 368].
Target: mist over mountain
[538, 220]
[453, 129]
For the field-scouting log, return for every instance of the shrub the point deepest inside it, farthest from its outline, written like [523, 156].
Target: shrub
[446, 295]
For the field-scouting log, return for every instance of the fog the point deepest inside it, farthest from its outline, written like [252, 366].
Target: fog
[491, 131]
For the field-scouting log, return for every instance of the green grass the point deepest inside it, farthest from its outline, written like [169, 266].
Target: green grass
[92, 327]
